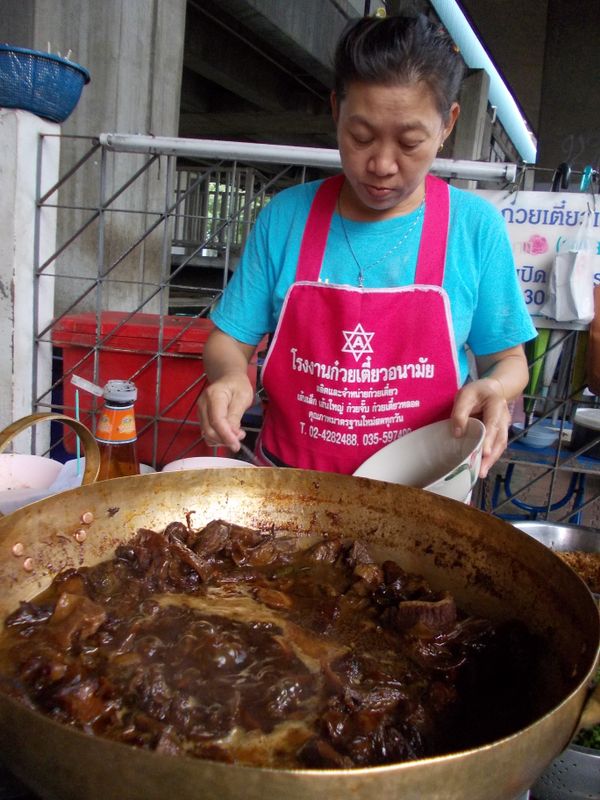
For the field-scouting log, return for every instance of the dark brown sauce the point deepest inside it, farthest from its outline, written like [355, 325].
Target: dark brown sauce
[235, 645]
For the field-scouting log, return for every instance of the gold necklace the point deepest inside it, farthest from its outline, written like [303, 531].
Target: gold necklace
[408, 231]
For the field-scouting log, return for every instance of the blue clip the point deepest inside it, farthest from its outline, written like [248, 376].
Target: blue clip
[586, 179]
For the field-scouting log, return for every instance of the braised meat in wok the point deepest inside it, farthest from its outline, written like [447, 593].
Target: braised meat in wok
[244, 646]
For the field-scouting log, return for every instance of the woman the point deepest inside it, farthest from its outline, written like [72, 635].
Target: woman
[376, 281]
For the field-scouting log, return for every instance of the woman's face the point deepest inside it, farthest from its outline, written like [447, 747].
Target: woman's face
[388, 137]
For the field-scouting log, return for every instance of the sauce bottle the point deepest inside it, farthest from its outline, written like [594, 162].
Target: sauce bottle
[116, 433]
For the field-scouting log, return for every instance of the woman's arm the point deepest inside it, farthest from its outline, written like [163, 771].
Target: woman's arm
[229, 393]
[504, 375]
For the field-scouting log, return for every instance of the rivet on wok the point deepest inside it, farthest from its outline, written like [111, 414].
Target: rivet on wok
[28, 565]
[87, 517]
[80, 535]
[18, 549]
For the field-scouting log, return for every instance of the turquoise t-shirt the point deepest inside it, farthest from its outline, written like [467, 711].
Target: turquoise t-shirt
[487, 306]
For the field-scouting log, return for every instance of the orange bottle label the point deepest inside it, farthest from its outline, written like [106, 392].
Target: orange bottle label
[116, 426]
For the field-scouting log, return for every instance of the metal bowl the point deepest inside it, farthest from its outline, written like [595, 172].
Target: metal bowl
[558, 536]
[575, 773]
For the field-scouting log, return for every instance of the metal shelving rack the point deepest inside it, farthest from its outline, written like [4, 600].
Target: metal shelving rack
[554, 481]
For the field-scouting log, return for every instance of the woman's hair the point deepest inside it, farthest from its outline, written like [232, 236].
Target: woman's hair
[399, 51]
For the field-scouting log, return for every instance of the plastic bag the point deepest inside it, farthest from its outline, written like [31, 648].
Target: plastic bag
[592, 367]
[570, 295]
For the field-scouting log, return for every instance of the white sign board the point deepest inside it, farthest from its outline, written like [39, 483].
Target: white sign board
[541, 224]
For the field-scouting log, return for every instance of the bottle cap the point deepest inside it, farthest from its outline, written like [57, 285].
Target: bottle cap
[120, 391]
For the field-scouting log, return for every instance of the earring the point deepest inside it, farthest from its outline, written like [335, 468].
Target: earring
[441, 147]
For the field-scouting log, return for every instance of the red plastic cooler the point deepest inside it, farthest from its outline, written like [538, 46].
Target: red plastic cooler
[128, 350]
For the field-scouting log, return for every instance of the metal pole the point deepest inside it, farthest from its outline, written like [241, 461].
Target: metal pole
[326, 158]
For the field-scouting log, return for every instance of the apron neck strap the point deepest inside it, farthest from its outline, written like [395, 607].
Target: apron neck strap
[317, 227]
[434, 236]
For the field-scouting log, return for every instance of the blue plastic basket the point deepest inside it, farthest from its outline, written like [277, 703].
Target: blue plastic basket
[45, 84]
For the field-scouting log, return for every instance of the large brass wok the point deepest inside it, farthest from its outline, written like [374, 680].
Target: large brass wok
[491, 567]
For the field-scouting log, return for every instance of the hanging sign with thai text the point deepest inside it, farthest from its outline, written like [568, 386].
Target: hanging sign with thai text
[541, 224]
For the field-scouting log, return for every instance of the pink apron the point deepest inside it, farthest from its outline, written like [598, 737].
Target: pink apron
[351, 369]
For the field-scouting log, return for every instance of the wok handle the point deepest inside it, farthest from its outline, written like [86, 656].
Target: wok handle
[90, 445]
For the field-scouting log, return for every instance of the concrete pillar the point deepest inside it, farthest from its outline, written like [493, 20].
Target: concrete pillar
[26, 307]
[569, 129]
[133, 50]
[472, 123]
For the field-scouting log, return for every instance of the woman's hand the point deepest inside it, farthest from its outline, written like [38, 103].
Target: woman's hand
[221, 407]
[505, 375]
[484, 399]
[229, 393]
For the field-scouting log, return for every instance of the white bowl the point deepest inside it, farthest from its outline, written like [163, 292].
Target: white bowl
[431, 458]
[27, 471]
[204, 462]
[25, 479]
